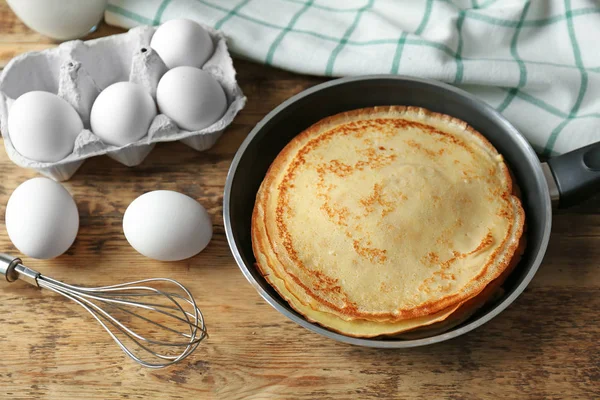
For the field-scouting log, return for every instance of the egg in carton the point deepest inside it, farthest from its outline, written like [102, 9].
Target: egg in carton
[78, 71]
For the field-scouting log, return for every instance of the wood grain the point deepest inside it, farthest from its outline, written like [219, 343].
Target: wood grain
[544, 346]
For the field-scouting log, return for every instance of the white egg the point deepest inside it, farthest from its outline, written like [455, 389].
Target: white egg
[192, 98]
[122, 113]
[182, 42]
[43, 127]
[167, 226]
[41, 218]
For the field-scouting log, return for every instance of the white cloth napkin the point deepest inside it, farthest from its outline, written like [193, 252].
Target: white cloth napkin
[537, 62]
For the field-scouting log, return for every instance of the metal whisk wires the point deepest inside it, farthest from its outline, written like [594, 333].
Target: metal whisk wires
[154, 326]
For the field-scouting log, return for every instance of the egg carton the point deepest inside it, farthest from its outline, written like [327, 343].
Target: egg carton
[78, 71]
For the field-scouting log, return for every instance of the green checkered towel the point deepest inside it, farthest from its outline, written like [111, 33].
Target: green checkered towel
[537, 62]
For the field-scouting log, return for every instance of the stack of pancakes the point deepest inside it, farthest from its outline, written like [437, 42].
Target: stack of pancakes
[384, 220]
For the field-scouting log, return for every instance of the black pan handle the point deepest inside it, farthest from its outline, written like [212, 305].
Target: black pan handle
[577, 174]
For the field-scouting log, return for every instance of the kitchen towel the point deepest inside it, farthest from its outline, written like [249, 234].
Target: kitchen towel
[537, 62]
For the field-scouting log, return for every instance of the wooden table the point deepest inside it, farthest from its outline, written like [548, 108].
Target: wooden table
[544, 346]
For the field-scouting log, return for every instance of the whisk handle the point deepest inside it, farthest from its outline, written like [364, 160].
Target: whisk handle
[12, 268]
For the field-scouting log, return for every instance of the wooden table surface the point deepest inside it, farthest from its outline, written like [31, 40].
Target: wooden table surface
[544, 346]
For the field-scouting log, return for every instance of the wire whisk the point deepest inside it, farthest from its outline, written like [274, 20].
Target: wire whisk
[153, 326]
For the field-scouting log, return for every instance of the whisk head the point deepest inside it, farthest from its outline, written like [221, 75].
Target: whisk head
[155, 321]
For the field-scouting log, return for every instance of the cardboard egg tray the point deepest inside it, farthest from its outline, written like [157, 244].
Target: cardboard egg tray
[78, 71]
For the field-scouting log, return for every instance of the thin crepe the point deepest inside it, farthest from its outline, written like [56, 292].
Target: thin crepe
[395, 215]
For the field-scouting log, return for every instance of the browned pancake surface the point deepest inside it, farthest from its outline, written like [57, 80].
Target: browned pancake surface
[386, 214]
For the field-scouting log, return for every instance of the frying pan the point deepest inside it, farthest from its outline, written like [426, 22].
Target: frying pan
[561, 182]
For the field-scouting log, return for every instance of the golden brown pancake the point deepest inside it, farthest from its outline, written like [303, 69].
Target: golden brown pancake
[382, 220]
[491, 292]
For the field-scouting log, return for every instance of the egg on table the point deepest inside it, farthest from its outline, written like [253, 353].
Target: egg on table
[41, 218]
[192, 98]
[167, 225]
[182, 42]
[43, 127]
[122, 113]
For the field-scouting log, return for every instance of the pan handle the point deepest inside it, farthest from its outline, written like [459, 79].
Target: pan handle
[577, 174]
